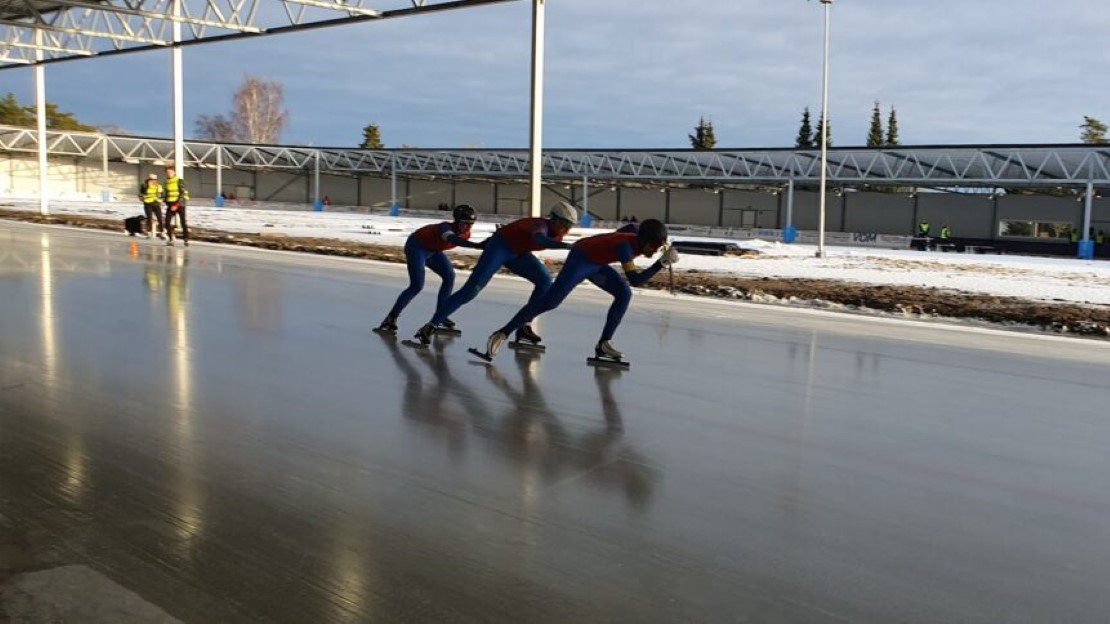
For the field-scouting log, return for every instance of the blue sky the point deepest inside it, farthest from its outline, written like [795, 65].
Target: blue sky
[639, 74]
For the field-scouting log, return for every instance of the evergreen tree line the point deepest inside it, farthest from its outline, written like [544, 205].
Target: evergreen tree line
[12, 113]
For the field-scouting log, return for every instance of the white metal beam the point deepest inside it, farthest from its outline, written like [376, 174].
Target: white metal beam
[535, 139]
[40, 121]
[338, 5]
[153, 15]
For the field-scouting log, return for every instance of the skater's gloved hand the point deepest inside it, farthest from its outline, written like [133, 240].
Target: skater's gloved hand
[669, 257]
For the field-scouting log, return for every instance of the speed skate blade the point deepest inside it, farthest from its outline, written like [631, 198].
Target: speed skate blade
[443, 331]
[415, 344]
[520, 345]
[385, 332]
[481, 354]
[607, 363]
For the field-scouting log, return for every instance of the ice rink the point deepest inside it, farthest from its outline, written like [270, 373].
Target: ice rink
[217, 433]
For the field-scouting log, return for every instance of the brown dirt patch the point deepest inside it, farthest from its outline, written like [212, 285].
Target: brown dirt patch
[1070, 318]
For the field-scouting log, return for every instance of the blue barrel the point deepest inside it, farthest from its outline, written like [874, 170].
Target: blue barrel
[394, 210]
[1087, 249]
[218, 201]
[789, 234]
[318, 205]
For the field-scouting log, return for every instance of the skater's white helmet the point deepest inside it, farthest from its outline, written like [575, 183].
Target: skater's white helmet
[564, 212]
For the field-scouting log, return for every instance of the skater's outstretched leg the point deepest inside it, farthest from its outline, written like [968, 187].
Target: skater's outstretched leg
[610, 281]
[415, 259]
[493, 258]
[441, 266]
[532, 269]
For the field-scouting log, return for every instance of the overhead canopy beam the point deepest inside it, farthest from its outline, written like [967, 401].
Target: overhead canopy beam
[69, 30]
[152, 15]
[126, 26]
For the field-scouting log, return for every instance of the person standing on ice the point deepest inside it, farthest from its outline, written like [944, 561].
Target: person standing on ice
[512, 247]
[175, 196]
[590, 258]
[150, 192]
[425, 247]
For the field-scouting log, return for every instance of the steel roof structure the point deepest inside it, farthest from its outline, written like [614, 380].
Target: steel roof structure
[64, 30]
[962, 165]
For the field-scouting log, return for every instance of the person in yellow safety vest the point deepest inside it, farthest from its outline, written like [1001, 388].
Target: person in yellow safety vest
[1074, 236]
[150, 192]
[923, 228]
[1100, 237]
[175, 195]
[945, 232]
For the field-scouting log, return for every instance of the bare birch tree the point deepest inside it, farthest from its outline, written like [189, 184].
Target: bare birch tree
[256, 117]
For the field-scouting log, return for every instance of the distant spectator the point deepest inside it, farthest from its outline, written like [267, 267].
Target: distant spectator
[945, 233]
[1100, 237]
[150, 192]
[327, 200]
[923, 228]
[633, 219]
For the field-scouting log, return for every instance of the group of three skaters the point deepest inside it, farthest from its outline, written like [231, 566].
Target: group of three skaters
[512, 247]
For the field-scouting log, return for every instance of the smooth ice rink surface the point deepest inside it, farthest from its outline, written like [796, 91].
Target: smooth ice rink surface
[217, 432]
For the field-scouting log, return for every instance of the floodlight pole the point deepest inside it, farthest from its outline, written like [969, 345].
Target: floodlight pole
[178, 107]
[40, 118]
[824, 136]
[535, 144]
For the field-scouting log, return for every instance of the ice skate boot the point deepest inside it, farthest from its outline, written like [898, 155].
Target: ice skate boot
[493, 345]
[448, 327]
[388, 327]
[605, 354]
[528, 339]
[423, 337]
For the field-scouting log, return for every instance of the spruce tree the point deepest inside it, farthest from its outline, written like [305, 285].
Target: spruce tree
[875, 134]
[805, 133]
[892, 129]
[1094, 131]
[703, 137]
[817, 134]
[371, 137]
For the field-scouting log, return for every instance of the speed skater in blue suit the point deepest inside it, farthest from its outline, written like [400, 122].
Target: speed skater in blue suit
[510, 247]
[589, 259]
[425, 247]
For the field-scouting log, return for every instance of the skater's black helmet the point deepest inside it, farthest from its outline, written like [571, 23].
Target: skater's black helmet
[465, 214]
[652, 231]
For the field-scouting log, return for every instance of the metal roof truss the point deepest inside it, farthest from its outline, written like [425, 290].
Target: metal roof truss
[996, 166]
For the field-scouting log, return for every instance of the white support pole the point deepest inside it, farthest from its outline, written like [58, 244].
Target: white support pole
[178, 107]
[40, 118]
[535, 144]
[1088, 205]
[220, 171]
[316, 202]
[105, 194]
[824, 135]
[394, 209]
[790, 203]
[586, 200]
